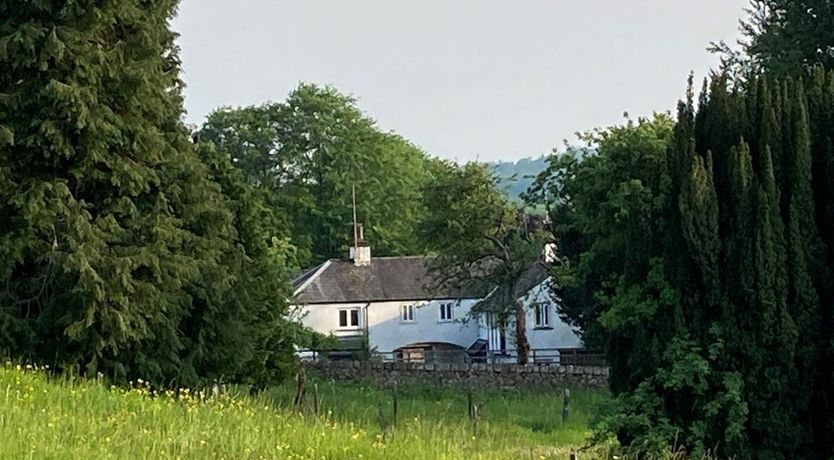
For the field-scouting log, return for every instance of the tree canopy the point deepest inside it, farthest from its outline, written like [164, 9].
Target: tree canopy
[782, 37]
[308, 152]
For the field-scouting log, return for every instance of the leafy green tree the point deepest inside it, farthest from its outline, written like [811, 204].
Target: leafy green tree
[782, 37]
[480, 242]
[307, 154]
[604, 208]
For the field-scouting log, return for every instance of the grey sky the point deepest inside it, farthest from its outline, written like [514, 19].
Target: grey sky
[463, 79]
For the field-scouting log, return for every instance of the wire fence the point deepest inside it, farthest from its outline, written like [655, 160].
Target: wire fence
[538, 356]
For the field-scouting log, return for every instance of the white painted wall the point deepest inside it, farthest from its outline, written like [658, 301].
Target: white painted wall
[559, 334]
[324, 318]
[387, 332]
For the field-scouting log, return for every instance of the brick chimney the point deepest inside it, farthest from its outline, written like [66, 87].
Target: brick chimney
[360, 251]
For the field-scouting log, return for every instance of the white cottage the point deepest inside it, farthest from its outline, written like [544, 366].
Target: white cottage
[386, 303]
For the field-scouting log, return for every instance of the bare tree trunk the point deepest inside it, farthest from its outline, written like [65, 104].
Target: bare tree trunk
[521, 344]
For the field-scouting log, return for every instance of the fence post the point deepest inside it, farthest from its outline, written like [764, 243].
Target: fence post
[300, 387]
[380, 418]
[476, 416]
[469, 404]
[395, 405]
[565, 405]
[316, 399]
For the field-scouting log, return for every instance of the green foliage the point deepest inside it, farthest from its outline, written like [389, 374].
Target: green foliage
[480, 240]
[121, 251]
[307, 153]
[604, 205]
[712, 286]
[783, 37]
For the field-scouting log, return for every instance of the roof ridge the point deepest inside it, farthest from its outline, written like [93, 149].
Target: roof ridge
[384, 258]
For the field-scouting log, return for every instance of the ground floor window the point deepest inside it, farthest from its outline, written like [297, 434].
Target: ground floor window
[349, 318]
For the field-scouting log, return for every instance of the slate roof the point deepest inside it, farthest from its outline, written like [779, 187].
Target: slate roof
[385, 279]
[534, 275]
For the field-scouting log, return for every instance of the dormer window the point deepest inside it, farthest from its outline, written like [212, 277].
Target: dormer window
[542, 315]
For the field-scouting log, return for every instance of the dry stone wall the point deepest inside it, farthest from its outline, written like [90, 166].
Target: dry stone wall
[480, 376]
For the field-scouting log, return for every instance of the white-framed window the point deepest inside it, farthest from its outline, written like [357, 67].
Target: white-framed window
[542, 315]
[407, 313]
[349, 318]
[446, 311]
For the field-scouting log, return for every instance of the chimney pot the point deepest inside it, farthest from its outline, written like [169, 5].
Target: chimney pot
[360, 251]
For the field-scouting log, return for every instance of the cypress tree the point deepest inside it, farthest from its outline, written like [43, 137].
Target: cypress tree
[802, 250]
[821, 111]
[738, 245]
[748, 258]
[769, 368]
[698, 206]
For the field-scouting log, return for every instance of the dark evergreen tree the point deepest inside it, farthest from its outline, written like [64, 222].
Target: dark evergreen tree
[118, 254]
[725, 343]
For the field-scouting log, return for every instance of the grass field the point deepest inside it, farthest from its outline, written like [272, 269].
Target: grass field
[77, 419]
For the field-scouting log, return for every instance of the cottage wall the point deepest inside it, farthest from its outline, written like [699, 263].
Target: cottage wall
[558, 334]
[388, 332]
[386, 329]
[324, 318]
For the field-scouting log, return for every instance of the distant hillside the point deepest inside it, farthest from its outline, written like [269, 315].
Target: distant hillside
[516, 176]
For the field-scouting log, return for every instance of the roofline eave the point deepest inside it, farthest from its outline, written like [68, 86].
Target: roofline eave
[312, 278]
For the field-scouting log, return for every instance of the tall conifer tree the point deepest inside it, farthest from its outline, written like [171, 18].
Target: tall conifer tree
[739, 361]
[116, 249]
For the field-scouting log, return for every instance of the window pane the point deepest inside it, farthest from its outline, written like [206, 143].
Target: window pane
[342, 318]
[354, 317]
[446, 311]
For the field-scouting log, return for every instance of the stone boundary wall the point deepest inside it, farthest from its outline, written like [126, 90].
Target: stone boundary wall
[475, 376]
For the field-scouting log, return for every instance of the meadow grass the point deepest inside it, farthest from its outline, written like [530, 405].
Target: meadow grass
[65, 418]
[532, 417]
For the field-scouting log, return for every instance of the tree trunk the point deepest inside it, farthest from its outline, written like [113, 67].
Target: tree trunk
[522, 346]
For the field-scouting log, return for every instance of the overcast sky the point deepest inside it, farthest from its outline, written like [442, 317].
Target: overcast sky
[463, 79]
